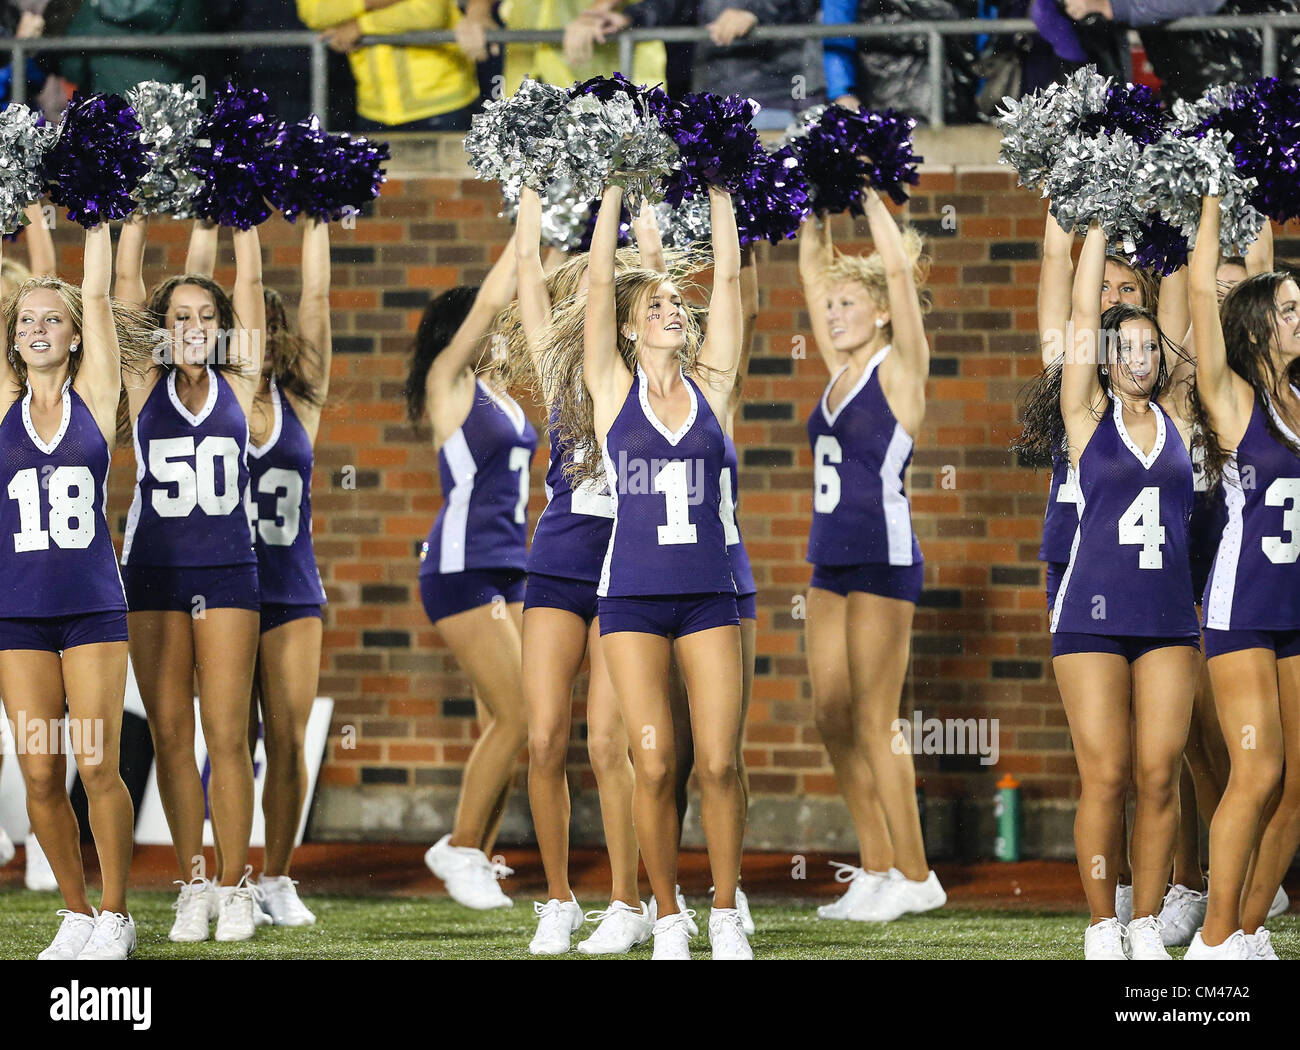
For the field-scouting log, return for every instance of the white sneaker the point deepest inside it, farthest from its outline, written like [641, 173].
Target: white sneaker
[7, 848]
[40, 876]
[925, 895]
[1144, 939]
[672, 936]
[1280, 903]
[1104, 940]
[1261, 944]
[621, 928]
[235, 921]
[470, 878]
[861, 883]
[1124, 903]
[113, 937]
[279, 897]
[74, 933]
[727, 935]
[742, 906]
[1181, 915]
[193, 909]
[681, 910]
[888, 902]
[557, 921]
[1235, 947]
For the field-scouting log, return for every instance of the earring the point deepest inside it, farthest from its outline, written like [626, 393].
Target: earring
[1105, 371]
[74, 348]
[880, 322]
[632, 336]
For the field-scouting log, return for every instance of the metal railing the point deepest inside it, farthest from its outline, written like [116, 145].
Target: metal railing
[1268, 26]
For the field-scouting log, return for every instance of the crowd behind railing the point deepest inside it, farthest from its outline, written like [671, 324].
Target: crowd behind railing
[382, 86]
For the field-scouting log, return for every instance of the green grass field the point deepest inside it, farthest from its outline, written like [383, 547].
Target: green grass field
[437, 928]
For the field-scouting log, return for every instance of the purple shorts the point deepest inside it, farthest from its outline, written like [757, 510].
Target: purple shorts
[889, 581]
[1064, 643]
[1219, 643]
[174, 588]
[448, 593]
[670, 616]
[559, 592]
[1055, 571]
[54, 634]
[277, 614]
[747, 606]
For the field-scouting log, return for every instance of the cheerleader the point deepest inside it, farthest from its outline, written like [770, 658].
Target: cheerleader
[191, 570]
[64, 631]
[283, 428]
[40, 254]
[867, 568]
[472, 566]
[1249, 410]
[560, 626]
[654, 398]
[1123, 621]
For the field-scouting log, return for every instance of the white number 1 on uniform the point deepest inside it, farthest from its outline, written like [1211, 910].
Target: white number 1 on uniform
[671, 483]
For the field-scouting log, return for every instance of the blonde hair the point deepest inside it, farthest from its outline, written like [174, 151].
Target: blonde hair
[13, 275]
[561, 361]
[137, 336]
[869, 271]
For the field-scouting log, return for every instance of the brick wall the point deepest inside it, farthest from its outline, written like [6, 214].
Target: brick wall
[980, 645]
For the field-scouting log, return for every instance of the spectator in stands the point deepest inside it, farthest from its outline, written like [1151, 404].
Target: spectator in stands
[402, 88]
[116, 71]
[783, 76]
[1189, 62]
[30, 20]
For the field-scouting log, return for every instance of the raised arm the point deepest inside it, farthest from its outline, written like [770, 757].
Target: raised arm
[314, 304]
[8, 382]
[749, 315]
[815, 256]
[1175, 319]
[534, 300]
[247, 344]
[41, 257]
[495, 293]
[1259, 256]
[99, 380]
[1215, 384]
[1080, 388]
[128, 283]
[722, 341]
[649, 243]
[1055, 276]
[201, 258]
[909, 341]
[602, 366]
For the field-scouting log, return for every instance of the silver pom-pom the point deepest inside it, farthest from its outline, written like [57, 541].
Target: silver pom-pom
[516, 141]
[1177, 171]
[168, 116]
[1189, 115]
[23, 142]
[1035, 128]
[1092, 179]
[617, 143]
[565, 216]
[682, 227]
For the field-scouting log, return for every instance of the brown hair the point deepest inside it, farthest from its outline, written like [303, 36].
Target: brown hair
[287, 352]
[160, 301]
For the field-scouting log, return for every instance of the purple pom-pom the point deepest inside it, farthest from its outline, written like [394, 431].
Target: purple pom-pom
[772, 201]
[1130, 108]
[235, 151]
[716, 141]
[842, 151]
[1161, 247]
[1264, 140]
[97, 160]
[324, 176]
[605, 88]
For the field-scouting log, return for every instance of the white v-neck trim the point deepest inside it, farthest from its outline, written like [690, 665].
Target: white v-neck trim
[179, 405]
[258, 451]
[1281, 423]
[63, 426]
[508, 405]
[863, 379]
[643, 395]
[1161, 433]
